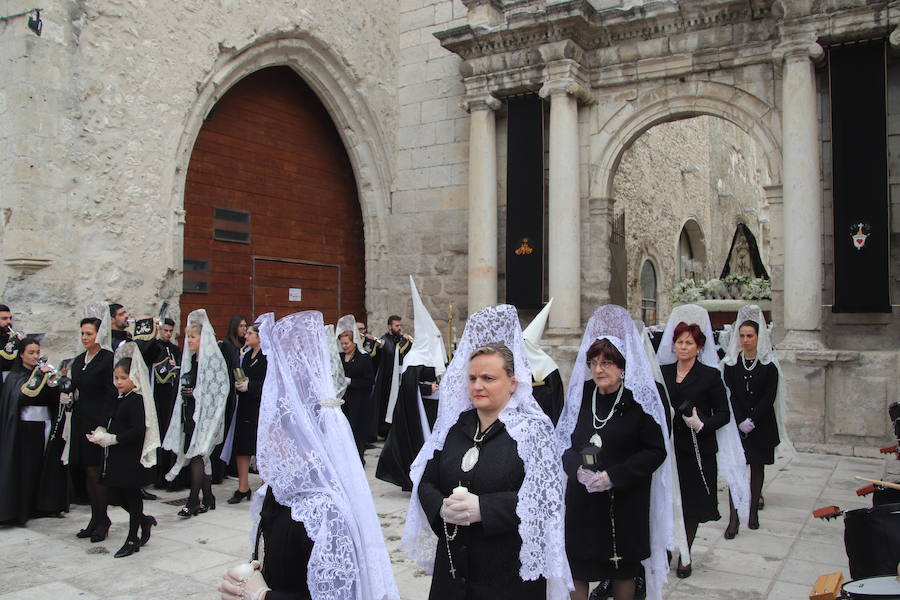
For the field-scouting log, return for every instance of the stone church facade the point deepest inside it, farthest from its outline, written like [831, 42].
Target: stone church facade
[101, 115]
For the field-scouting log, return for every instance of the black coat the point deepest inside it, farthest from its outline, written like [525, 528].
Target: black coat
[93, 384]
[247, 418]
[122, 467]
[32, 482]
[633, 448]
[550, 395]
[384, 357]
[287, 551]
[358, 396]
[702, 388]
[406, 437]
[753, 397]
[485, 554]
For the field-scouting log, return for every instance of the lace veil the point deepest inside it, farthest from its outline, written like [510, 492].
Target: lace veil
[730, 458]
[210, 392]
[541, 502]
[765, 352]
[100, 310]
[141, 379]
[348, 323]
[334, 352]
[614, 324]
[306, 454]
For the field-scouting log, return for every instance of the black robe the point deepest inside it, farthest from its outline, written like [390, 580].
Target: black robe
[633, 448]
[95, 394]
[287, 551]
[702, 388]
[119, 337]
[357, 397]
[485, 554]
[406, 437]
[165, 389]
[550, 395]
[33, 483]
[247, 415]
[753, 397]
[232, 356]
[384, 357]
[7, 355]
[122, 462]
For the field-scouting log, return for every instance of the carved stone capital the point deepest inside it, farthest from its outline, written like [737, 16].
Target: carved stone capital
[565, 77]
[894, 38]
[481, 101]
[798, 45]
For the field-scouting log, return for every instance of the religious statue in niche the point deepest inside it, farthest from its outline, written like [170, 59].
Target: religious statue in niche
[740, 262]
[524, 249]
[859, 233]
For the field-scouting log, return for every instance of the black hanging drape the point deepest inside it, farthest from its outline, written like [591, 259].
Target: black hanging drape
[859, 168]
[525, 202]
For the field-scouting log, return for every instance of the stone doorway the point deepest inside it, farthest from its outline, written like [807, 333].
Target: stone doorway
[269, 176]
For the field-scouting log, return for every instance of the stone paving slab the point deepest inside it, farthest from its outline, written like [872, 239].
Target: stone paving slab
[186, 558]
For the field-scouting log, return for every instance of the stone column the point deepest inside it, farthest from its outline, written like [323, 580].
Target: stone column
[564, 231]
[802, 189]
[482, 201]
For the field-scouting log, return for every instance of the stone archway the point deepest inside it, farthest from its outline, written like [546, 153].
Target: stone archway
[335, 87]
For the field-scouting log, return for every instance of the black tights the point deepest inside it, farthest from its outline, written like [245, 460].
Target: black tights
[134, 505]
[199, 481]
[757, 478]
[96, 492]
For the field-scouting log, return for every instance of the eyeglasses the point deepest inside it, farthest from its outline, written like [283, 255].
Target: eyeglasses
[603, 364]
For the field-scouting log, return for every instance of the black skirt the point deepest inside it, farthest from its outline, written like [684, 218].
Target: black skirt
[588, 570]
[698, 504]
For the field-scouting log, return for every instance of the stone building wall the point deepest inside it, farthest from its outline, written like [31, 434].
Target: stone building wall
[702, 168]
[96, 113]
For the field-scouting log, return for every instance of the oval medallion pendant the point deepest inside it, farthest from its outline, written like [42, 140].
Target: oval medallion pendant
[470, 459]
[595, 440]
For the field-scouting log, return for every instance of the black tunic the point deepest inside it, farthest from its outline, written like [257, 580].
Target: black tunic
[232, 355]
[119, 337]
[188, 380]
[384, 357]
[358, 398]
[485, 554]
[122, 463]
[753, 397]
[633, 448]
[406, 437]
[287, 551]
[550, 395]
[702, 388]
[93, 384]
[164, 393]
[247, 415]
[32, 482]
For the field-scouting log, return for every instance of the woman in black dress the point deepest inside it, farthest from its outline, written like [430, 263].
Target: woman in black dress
[94, 393]
[607, 508]
[359, 376]
[33, 481]
[752, 377]
[488, 481]
[231, 346]
[697, 395]
[253, 364]
[123, 443]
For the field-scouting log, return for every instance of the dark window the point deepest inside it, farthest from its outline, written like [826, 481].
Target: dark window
[231, 225]
[195, 279]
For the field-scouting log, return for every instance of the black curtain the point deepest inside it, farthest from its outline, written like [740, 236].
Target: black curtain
[859, 168]
[525, 202]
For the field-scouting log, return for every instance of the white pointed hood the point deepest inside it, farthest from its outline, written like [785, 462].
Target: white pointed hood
[540, 362]
[428, 349]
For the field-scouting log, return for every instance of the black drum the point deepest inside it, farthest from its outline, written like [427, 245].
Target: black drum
[872, 540]
[883, 588]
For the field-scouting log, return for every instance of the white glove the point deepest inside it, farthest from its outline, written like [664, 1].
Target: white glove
[746, 426]
[452, 514]
[347, 380]
[237, 583]
[693, 421]
[594, 481]
[468, 503]
[65, 399]
[102, 438]
[241, 385]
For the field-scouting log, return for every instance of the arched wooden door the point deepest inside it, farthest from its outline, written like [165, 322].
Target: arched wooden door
[273, 216]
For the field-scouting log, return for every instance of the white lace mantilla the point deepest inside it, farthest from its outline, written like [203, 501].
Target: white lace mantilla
[541, 503]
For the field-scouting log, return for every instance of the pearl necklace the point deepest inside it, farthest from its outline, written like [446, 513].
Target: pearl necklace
[753, 363]
[599, 423]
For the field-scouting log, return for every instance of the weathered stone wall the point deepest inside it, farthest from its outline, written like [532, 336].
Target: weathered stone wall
[96, 112]
[702, 168]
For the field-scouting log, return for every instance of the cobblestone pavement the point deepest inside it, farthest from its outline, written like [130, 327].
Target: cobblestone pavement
[185, 559]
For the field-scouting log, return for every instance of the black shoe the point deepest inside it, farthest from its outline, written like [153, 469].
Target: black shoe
[129, 548]
[100, 531]
[683, 572]
[732, 530]
[145, 495]
[188, 512]
[87, 531]
[238, 496]
[146, 523]
[753, 523]
[761, 504]
[208, 504]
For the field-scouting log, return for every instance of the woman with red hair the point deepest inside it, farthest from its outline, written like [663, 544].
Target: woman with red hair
[700, 407]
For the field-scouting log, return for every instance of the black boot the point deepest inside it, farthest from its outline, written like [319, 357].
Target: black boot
[129, 548]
